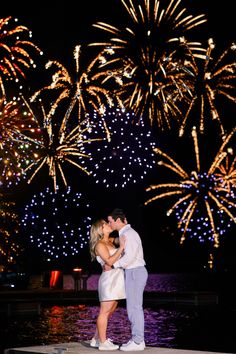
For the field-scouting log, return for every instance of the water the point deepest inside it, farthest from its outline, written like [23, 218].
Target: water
[173, 282]
[194, 328]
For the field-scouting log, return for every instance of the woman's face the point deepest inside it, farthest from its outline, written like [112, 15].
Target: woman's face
[106, 228]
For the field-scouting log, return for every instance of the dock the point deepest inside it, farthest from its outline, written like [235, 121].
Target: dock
[84, 348]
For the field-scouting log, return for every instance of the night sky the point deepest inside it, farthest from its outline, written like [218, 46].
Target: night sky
[57, 29]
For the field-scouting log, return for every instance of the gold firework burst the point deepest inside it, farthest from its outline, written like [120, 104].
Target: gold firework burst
[60, 145]
[15, 152]
[15, 52]
[198, 193]
[87, 91]
[227, 172]
[148, 54]
[208, 80]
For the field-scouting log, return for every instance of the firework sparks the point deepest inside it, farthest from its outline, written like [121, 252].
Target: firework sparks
[10, 248]
[45, 222]
[204, 201]
[207, 82]
[87, 91]
[128, 157]
[15, 152]
[227, 172]
[148, 53]
[15, 119]
[60, 145]
[15, 52]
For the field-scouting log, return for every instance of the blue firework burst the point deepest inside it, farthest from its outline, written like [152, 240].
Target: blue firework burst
[127, 157]
[58, 223]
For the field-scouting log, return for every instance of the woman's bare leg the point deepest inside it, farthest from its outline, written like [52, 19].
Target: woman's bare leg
[106, 310]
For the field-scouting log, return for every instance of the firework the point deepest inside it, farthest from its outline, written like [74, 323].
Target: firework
[128, 157]
[148, 54]
[208, 80]
[10, 248]
[57, 223]
[226, 172]
[15, 153]
[59, 144]
[15, 52]
[85, 89]
[204, 203]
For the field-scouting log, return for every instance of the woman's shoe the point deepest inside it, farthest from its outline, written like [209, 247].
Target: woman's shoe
[108, 345]
[94, 343]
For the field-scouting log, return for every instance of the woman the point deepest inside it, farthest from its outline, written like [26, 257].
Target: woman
[111, 286]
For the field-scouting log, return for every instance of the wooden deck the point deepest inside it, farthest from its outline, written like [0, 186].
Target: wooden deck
[84, 348]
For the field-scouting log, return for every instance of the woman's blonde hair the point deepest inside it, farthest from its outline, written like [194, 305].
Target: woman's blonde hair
[95, 235]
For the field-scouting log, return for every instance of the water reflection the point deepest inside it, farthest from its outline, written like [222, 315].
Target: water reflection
[193, 328]
[59, 324]
[169, 328]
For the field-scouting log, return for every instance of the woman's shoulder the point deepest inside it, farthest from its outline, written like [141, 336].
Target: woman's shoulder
[100, 244]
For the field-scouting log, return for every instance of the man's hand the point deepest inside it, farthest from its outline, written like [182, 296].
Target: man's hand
[106, 267]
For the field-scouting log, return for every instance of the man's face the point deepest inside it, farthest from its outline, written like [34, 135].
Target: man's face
[112, 222]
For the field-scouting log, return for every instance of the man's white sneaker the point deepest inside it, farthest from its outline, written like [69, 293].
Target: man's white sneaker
[125, 344]
[131, 346]
[108, 345]
[94, 343]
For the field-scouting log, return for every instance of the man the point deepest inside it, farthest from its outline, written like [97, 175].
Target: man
[135, 278]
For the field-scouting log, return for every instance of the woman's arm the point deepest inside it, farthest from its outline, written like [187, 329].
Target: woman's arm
[103, 252]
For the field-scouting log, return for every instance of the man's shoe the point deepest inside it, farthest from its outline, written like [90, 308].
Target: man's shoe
[125, 344]
[131, 346]
[94, 343]
[108, 345]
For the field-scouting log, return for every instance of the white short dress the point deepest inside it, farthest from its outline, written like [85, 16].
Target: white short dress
[111, 283]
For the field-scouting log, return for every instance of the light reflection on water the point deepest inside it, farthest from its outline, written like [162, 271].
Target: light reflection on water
[59, 324]
[169, 328]
[193, 328]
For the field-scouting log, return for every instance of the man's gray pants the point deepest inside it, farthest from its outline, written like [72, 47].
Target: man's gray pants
[135, 282]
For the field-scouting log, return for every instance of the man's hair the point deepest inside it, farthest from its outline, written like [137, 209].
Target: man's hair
[118, 213]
